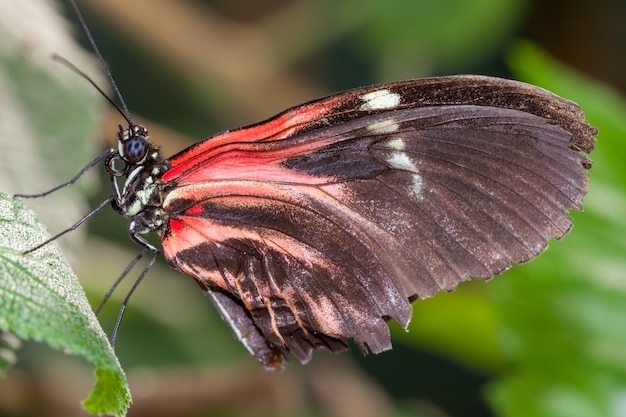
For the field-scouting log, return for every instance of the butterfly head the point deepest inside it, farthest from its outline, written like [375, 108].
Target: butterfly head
[133, 151]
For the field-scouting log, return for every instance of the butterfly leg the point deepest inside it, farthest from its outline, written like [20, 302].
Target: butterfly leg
[147, 248]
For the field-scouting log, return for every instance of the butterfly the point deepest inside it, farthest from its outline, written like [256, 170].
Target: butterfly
[318, 226]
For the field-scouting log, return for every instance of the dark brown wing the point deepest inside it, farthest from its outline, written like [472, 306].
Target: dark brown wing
[320, 230]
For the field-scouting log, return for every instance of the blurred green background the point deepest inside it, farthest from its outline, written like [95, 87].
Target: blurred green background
[546, 339]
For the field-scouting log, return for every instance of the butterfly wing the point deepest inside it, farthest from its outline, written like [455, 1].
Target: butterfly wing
[321, 224]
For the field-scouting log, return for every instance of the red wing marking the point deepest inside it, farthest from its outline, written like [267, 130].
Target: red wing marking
[286, 125]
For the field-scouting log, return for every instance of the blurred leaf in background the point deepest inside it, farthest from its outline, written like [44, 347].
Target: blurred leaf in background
[47, 117]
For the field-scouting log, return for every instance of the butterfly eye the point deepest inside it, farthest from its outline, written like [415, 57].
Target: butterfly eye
[135, 149]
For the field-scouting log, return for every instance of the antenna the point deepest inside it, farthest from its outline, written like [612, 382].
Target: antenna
[73, 67]
[105, 67]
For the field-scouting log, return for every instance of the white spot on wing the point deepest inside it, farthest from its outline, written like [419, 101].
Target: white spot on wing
[401, 160]
[385, 126]
[416, 189]
[380, 100]
[396, 143]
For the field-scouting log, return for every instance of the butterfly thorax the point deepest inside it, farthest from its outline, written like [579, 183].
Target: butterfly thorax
[141, 197]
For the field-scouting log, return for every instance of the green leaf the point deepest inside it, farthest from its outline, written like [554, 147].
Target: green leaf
[42, 300]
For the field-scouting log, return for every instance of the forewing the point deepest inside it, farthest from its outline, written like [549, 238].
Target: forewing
[327, 220]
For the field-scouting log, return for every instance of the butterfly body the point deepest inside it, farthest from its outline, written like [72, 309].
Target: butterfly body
[317, 226]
